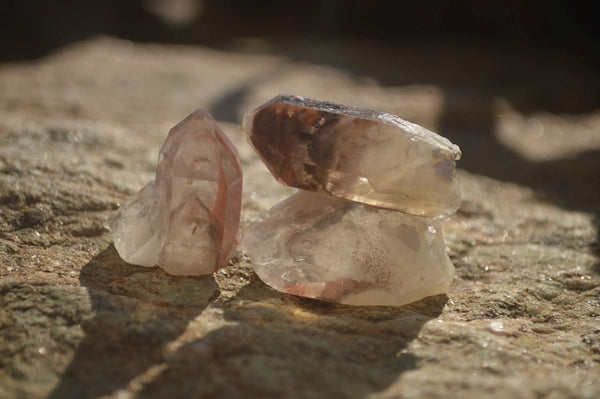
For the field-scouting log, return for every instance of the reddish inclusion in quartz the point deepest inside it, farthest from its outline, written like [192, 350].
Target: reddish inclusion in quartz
[357, 154]
[365, 226]
[187, 220]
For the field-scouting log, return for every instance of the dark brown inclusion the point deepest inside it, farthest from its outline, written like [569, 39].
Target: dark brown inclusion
[333, 148]
[295, 142]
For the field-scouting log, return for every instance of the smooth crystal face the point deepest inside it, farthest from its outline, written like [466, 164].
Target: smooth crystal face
[357, 154]
[320, 246]
[186, 220]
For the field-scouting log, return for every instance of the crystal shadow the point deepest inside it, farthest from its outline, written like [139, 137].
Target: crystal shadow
[137, 311]
[280, 346]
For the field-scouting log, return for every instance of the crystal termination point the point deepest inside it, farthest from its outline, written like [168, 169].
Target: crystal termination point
[186, 220]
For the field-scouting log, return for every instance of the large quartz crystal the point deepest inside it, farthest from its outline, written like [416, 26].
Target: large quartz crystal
[357, 154]
[365, 228]
[186, 220]
[320, 246]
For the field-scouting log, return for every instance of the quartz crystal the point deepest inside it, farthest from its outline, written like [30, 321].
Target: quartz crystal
[357, 154]
[320, 246]
[186, 220]
[365, 227]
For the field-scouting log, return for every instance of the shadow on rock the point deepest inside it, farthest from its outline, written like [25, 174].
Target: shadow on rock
[136, 312]
[278, 346]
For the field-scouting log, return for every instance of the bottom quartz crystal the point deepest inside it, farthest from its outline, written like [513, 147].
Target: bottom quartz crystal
[319, 246]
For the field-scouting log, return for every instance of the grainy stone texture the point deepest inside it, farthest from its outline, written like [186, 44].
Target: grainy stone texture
[79, 131]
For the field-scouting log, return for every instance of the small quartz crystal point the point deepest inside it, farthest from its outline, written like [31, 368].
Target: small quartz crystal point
[186, 220]
[324, 247]
[357, 154]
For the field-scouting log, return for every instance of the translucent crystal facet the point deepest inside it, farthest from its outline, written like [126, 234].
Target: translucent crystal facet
[320, 246]
[365, 227]
[186, 220]
[357, 154]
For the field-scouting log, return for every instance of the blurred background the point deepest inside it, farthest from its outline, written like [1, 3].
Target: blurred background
[33, 27]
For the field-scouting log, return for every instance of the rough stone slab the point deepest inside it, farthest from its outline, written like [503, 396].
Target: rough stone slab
[521, 319]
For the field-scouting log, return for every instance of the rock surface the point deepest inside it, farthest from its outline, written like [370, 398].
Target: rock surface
[186, 220]
[79, 131]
